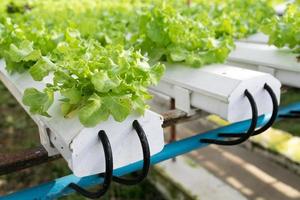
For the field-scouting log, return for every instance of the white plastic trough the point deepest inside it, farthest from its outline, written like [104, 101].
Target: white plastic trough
[218, 89]
[80, 146]
[259, 38]
[281, 63]
[280, 8]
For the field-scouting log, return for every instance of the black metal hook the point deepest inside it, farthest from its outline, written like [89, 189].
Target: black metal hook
[272, 118]
[243, 136]
[108, 171]
[274, 113]
[146, 157]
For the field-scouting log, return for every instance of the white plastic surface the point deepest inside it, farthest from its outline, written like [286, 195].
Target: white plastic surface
[219, 89]
[281, 63]
[259, 38]
[80, 146]
[280, 9]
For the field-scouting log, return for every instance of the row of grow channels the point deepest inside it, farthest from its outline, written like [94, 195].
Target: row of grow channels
[102, 55]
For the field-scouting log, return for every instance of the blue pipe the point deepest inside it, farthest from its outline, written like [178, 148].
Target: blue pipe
[58, 187]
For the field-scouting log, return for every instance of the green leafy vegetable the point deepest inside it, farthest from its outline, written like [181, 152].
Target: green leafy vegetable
[42, 68]
[39, 102]
[92, 113]
[285, 31]
[103, 55]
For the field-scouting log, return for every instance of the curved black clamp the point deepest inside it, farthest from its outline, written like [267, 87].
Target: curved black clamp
[108, 171]
[243, 136]
[274, 113]
[146, 157]
[272, 118]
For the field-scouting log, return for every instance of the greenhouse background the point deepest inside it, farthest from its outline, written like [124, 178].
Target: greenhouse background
[148, 99]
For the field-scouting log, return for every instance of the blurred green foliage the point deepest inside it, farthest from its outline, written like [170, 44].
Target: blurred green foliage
[289, 95]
